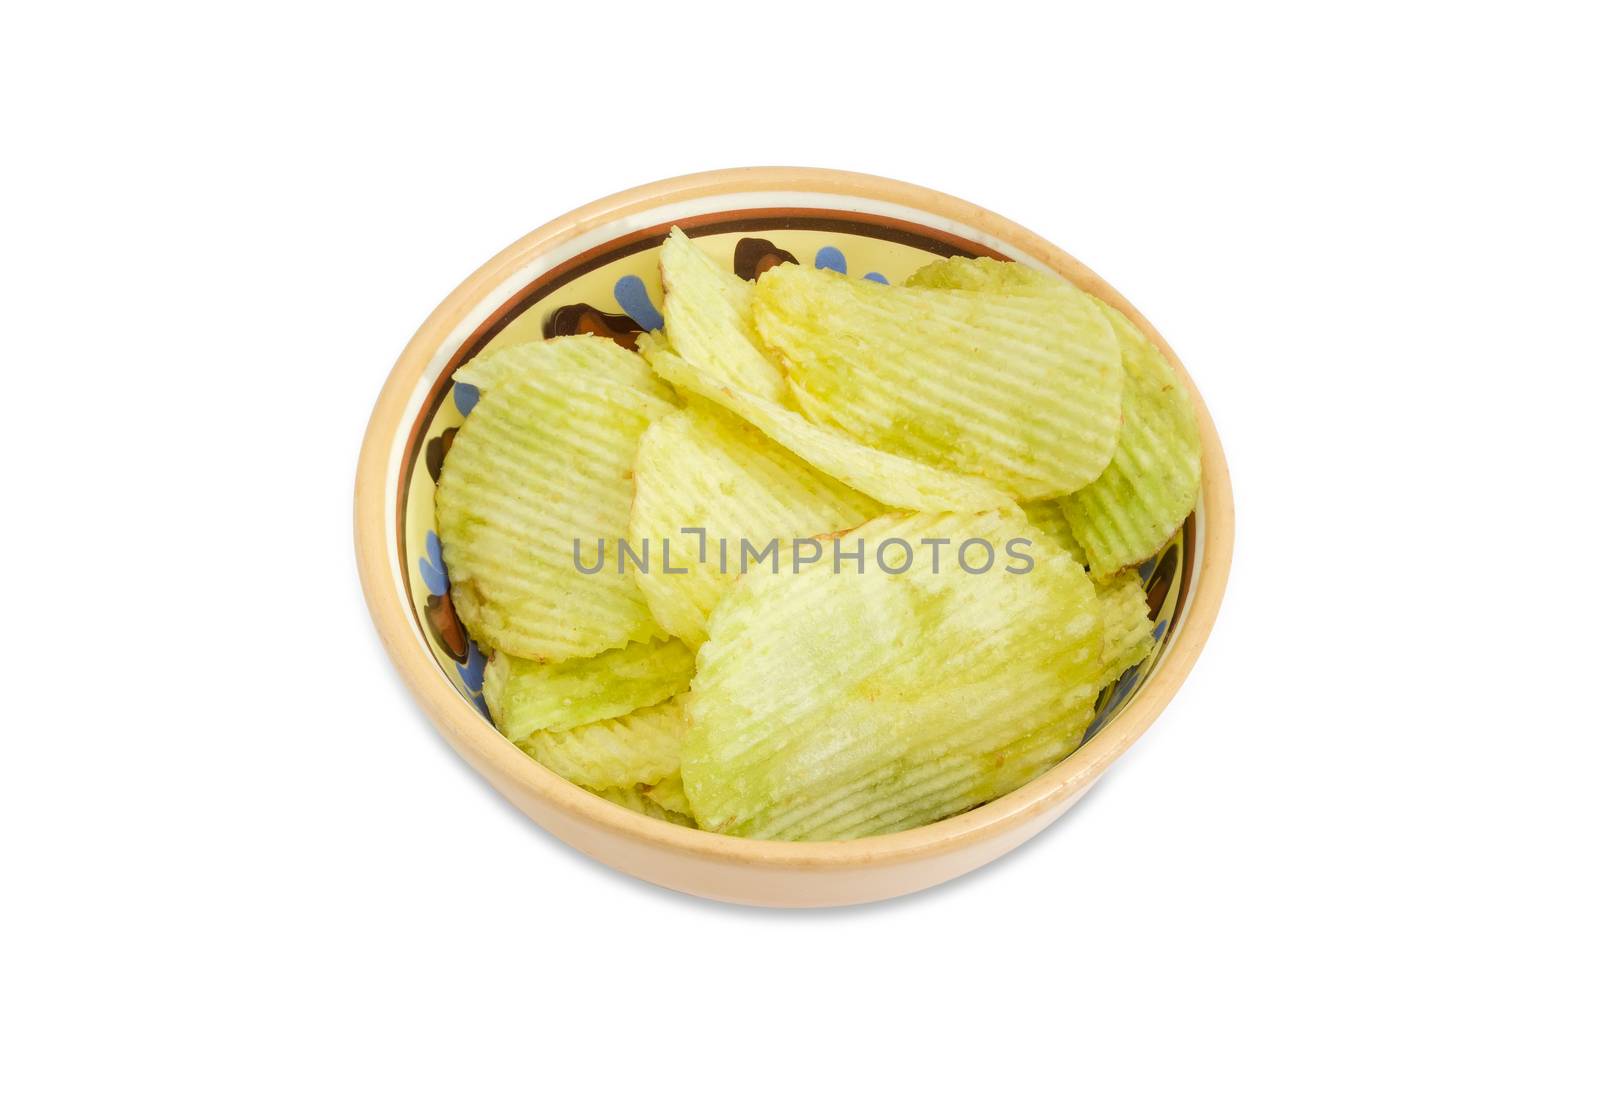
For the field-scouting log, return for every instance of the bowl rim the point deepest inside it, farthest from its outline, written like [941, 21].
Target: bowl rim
[512, 771]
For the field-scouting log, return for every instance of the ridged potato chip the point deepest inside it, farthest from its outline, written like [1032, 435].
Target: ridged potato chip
[639, 748]
[653, 346]
[668, 793]
[1153, 479]
[705, 469]
[891, 479]
[835, 704]
[525, 697]
[1022, 390]
[880, 681]
[939, 788]
[983, 273]
[594, 357]
[543, 461]
[1130, 511]
[635, 800]
[1049, 517]
[707, 316]
[1127, 635]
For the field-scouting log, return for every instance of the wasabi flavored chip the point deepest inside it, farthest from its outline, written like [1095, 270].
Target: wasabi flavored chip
[634, 799]
[541, 467]
[705, 480]
[1023, 390]
[1127, 635]
[639, 748]
[708, 323]
[1130, 511]
[891, 479]
[525, 697]
[1051, 519]
[838, 704]
[593, 357]
[668, 793]
[1153, 479]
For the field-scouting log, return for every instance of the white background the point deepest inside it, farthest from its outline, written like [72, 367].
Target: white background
[1356, 856]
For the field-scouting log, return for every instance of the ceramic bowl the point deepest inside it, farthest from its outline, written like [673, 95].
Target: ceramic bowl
[594, 270]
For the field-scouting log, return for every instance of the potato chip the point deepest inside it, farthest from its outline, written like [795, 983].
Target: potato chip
[704, 482]
[1127, 635]
[668, 793]
[833, 704]
[540, 472]
[1153, 478]
[891, 479]
[1022, 390]
[1130, 511]
[1049, 517]
[877, 671]
[982, 273]
[654, 345]
[635, 799]
[639, 748]
[708, 322]
[526, 696]
[594, 357]
[948, 786]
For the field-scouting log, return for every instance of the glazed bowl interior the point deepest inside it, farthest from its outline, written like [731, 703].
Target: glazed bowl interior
[596, 272]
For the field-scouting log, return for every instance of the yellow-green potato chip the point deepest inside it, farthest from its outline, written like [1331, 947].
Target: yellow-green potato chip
[668, 793]
[526, 696]
[834, 704]
[1127, 635]
[1002, 764]
[703, 483]
[982, 273]
[707, 316]
[1153, 478]
[891, 479]
[639, 748]
[635, 800]
[710, 348]
[1049, 517]
[654, 344]
[538, 474]
[1142, 497]
[594, 357]
[1022, 390]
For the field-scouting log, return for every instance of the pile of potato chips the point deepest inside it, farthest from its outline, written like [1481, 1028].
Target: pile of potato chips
[825, 558]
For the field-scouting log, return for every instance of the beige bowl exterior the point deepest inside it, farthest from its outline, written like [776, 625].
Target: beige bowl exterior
[781, 874]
